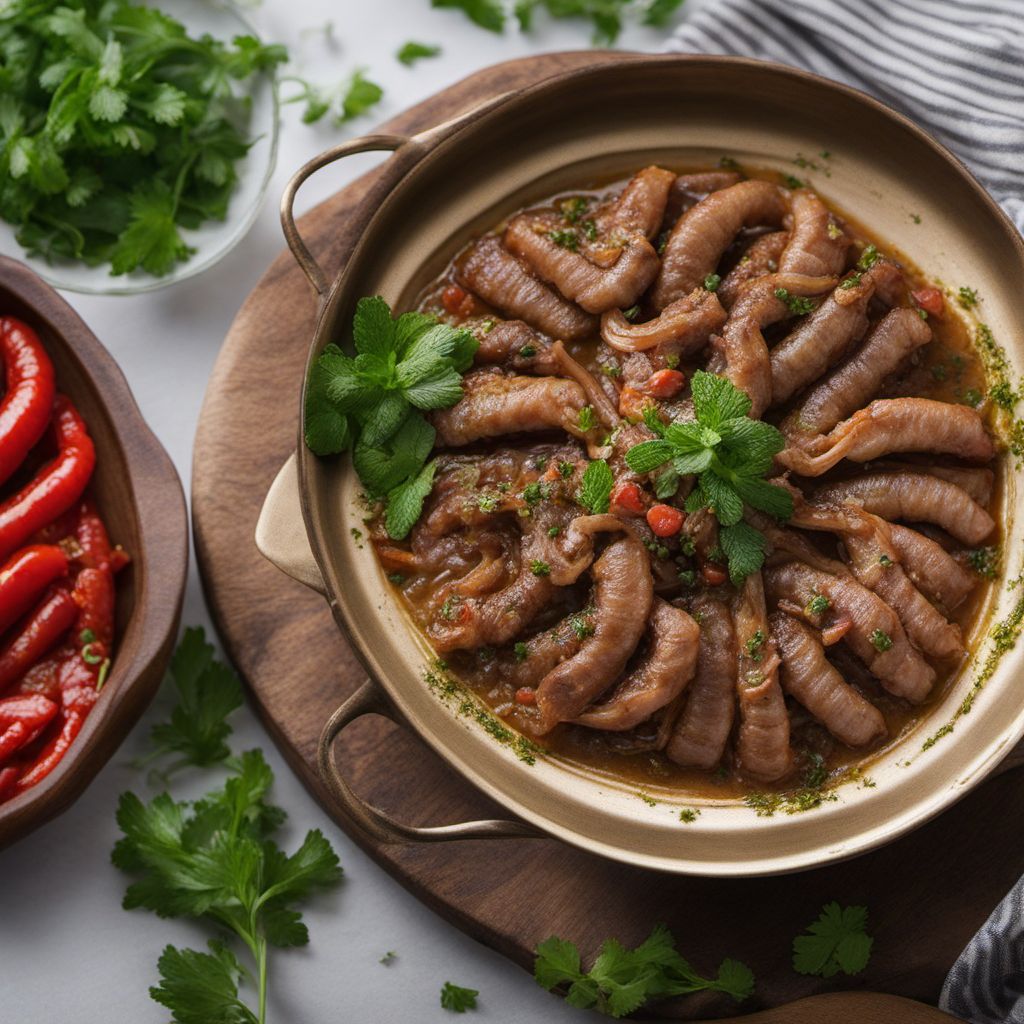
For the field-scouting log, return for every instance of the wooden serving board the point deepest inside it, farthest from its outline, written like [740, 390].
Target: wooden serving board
[927, 893]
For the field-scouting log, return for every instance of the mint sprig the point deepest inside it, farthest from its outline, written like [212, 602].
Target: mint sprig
[730, 454]
[372, 402]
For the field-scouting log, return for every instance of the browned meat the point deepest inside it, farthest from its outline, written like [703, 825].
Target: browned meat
[761, 257]
[659, 678]
[641, 204]
[762, 741]
[497, 618]
[931, 568]
[874, 632]
[705, 231]
[689, 189]
[848, 387]
[562, 364]
[817, 245]
[740, 353]
[916, 498]
[876, 565]
[702, 729]
[821, 340]
[808, 676]
[895, 425]
[683, 327]
[502, 281]
[494, 404]
[975, 480]
[623, 594]
[632, 264]
[547, 649]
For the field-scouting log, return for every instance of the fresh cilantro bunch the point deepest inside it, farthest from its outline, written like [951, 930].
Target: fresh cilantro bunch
[730, 454]
[836, 942]
[216, 859]
[622, 980]
[208, 692]
[373, 403]
[117, 129]
[605, 15]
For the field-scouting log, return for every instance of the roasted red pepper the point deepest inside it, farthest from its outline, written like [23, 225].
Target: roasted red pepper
[25, 577]
[56, 487]
[69, 724]
[49, 621]
[28, 402]
[21, 720]
[8, 780]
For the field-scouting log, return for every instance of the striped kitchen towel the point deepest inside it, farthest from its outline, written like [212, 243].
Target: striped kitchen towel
[956, 67]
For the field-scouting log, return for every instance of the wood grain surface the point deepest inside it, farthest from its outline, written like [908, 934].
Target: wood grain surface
[927, 893]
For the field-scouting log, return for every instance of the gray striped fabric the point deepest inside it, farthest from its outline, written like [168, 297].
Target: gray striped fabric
[957, 68]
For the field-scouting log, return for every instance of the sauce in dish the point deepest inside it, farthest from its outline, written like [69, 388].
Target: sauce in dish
[714, 509]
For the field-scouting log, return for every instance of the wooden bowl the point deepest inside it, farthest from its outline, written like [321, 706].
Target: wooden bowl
[444, 186]
[140, 496]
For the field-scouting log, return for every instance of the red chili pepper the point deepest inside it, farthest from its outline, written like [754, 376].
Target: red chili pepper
[664, 383]
[25, 577]
[69, 724]
[627, 497]
[56, 487]
[526, 696]
[119, 559]
[713, 575]
[665, 520]
[92, 537]
[28, 403]
[8, 778]
[930, 300]
[49, 621]
[21, 720]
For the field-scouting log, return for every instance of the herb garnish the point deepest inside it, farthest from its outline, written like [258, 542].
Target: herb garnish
[372, 403]
[595, 491]
[869, 257]
[458, 999]
[731, 454]
[711, 282]
[586, 419]
[622, 980]
[798, 305]
[117, 129]
[967, 297]
[539, 568]
[880, 640]
[818, 604]
[349, 99]
[985, 561]
[412, 52]
[837, 942]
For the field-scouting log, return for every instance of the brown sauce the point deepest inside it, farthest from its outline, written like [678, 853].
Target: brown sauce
[947, 369]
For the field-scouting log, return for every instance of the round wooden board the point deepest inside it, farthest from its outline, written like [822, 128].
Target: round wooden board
[927, 893]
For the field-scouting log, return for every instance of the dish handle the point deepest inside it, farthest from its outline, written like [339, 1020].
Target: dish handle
[369, 700]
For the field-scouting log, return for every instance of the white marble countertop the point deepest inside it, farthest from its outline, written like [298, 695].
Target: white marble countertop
[67, 949]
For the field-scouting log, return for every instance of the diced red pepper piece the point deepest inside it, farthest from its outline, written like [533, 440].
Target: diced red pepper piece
[526, 696]
[664, 384]
[930, 300]
[712, 574]
[665, 520]
[627, 499]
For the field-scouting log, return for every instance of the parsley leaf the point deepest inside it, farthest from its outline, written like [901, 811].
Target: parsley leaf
[371, 403]
[837, 942]
[596, 487]
[458, 999]
[349, 99]
[623, 980]
[201, 988]
[412, 52]
[488, 14]
[208, 692]
[730, 454]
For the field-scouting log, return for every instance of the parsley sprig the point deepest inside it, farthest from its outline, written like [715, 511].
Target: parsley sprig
[622, 980]
[349, 99]
[457, 999]
[836, 941]
[372, 403]
[117, 129]
[730, 454]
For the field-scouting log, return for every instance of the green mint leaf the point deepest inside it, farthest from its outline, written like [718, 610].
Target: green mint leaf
[596, 488]
[716, 399]
[208, 692]
[836, 928]
[653, 421]
[488, 14]
[744, 549]
[201, 988]
[412, 52]
[667, 483]
[373, 330]
[439, 390]
[405, 502]
[439, 345]
[649, 455]
[692, 462]
[686, 438]
[722, 499]
[458, 999]
[327, 428]
[381, 469]
[776, 501]
[385, 420]
[754, 441]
